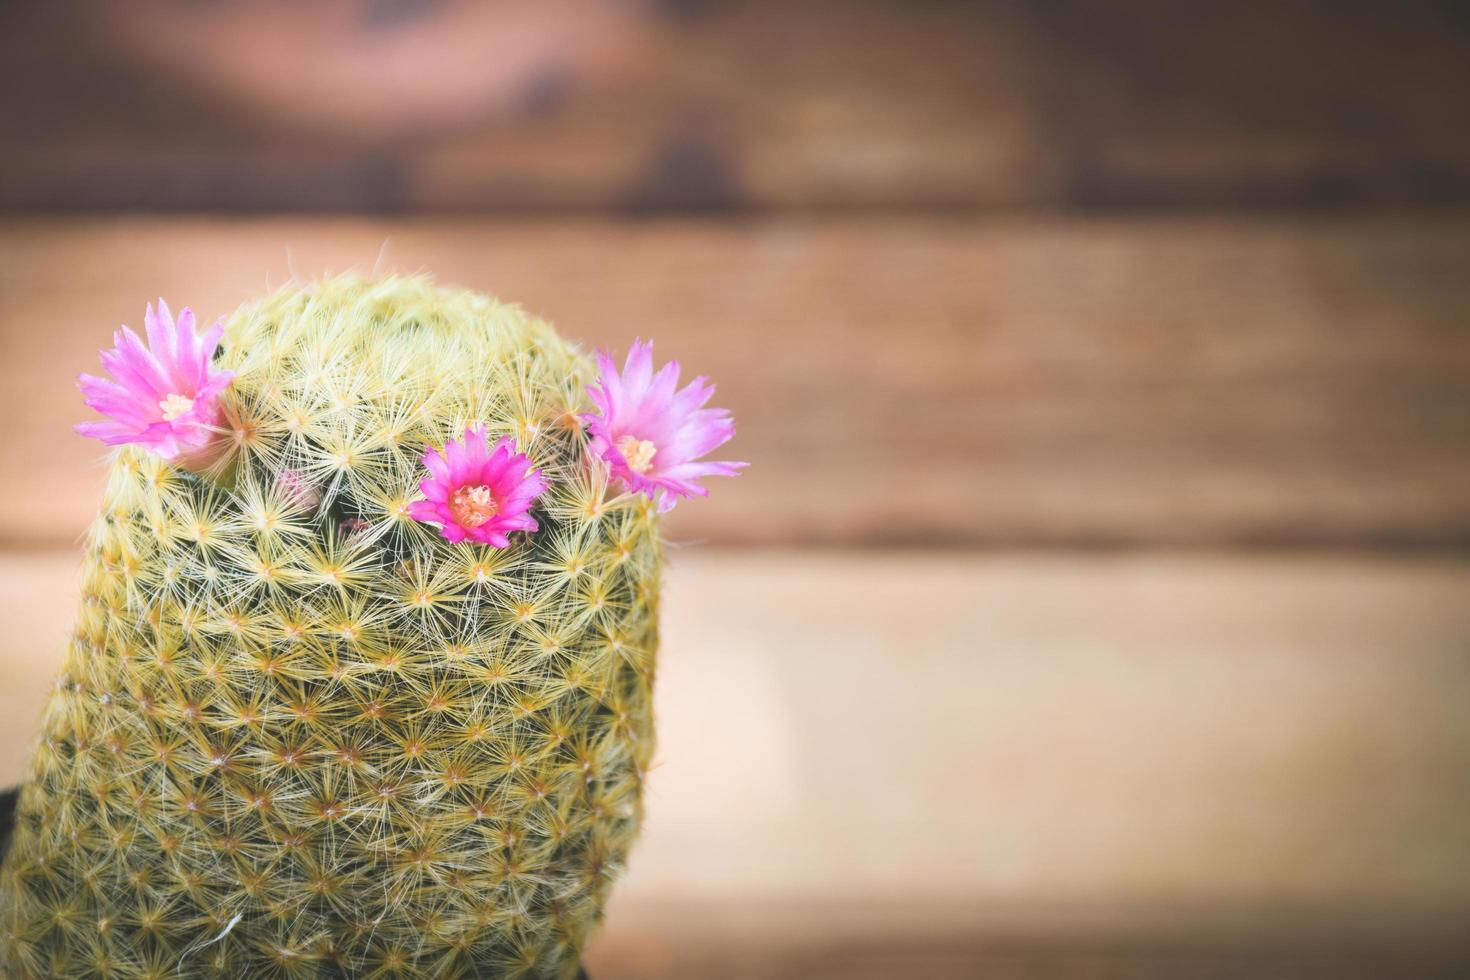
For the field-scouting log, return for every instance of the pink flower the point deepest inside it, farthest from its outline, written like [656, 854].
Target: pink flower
[353, 528]
[476, 492]
[164, 396]
[299, 490]
[653, 435]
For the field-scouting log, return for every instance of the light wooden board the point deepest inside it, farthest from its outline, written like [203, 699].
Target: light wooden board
[946, 754]
[1269, 381]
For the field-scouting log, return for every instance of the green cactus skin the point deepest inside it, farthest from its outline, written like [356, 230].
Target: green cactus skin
[295, 738]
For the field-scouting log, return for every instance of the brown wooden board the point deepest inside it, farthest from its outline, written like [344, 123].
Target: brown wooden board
[685, 104]
[1203, 381]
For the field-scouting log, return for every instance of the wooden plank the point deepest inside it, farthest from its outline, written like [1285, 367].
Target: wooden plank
[1033, 759]
[753, 105]
[1055, 957]
[1204, 381]
[735, 945]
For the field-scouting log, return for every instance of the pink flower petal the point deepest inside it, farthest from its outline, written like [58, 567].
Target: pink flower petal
[423, 510]
[438, 467]
[636, 370]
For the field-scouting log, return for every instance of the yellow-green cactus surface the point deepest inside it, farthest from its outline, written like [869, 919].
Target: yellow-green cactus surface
[298, 733]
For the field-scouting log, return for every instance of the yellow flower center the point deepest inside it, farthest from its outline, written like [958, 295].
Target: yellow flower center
[175, 405]
[472, 506]
[638, 452]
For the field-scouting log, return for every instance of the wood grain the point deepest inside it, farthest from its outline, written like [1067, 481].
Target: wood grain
[1203, 381]
[688, 104]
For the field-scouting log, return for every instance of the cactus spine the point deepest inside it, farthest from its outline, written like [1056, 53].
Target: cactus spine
[299, 734]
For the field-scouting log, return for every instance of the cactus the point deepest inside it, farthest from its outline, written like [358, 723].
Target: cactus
[299, 733]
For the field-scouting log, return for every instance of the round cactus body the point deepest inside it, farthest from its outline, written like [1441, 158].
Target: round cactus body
[299, 733]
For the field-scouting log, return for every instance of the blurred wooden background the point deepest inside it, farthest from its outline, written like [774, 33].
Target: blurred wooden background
[1096, 603]
[716, 105]
[902, 381]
